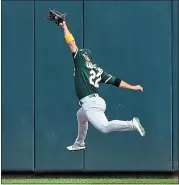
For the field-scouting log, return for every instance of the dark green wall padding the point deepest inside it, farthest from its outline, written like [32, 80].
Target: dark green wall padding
[135, 41]
[17, 86]
[135, 46]
[56, 103]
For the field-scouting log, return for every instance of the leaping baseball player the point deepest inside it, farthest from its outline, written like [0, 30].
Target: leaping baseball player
[87, 79]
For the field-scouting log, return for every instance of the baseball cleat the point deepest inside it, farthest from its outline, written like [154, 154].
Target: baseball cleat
[75, 147]
[138, 126]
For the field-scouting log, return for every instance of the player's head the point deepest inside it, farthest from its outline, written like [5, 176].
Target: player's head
[87, 54]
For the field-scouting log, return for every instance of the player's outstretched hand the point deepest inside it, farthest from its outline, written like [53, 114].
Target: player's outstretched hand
[138, 88]
[62, 24]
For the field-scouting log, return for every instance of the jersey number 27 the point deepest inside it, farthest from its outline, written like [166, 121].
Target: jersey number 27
[95, 77]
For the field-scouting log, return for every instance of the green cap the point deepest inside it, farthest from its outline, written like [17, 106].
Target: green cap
[87, 52]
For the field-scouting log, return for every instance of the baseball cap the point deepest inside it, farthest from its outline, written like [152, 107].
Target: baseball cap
[87, 52]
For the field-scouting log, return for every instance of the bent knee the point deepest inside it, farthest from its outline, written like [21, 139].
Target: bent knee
[80, 113]
[81, 116]
[104, 129]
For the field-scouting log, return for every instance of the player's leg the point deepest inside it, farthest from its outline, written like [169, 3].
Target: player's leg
[95, 113]
[98, 119]
[82, 127]
[82, 131]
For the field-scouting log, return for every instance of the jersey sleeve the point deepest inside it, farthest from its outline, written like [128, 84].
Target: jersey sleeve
[107, 78]
[76, 54]
[77, 57]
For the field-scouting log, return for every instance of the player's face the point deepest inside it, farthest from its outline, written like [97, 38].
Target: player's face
[87, 58]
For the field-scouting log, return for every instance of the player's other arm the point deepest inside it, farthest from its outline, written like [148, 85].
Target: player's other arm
[108, 79]
[125, 85]
[69, 37]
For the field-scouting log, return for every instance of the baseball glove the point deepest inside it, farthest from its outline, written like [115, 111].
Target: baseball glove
[56, 17]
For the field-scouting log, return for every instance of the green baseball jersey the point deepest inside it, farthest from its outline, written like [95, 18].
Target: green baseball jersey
[88, 76]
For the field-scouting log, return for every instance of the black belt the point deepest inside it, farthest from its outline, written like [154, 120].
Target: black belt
[92, 95]
[89, 96]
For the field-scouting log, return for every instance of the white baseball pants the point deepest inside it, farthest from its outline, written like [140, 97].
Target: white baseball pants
[92, 110]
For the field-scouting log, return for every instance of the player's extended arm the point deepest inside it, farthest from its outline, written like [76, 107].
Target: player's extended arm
[125, 85]
[109, 79]
[69, 37]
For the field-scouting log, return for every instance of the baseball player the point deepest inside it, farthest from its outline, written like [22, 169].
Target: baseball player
[87, 79]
